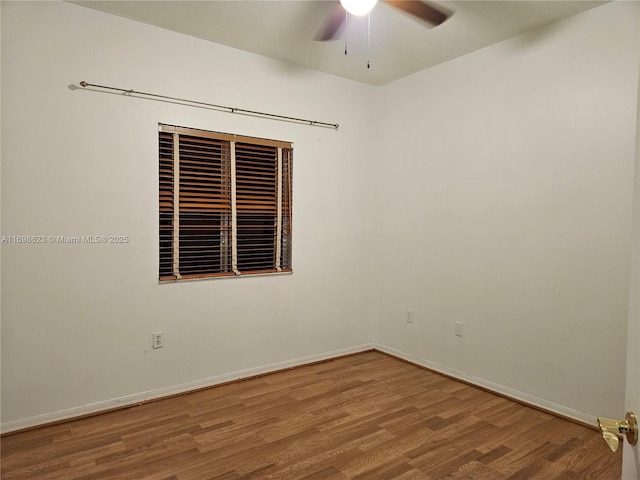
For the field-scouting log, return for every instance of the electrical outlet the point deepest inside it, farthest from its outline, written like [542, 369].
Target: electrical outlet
[458, 329]
[158, 339]
[409, 316]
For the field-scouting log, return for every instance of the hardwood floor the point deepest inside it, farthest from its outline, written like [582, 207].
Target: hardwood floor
[366, 416]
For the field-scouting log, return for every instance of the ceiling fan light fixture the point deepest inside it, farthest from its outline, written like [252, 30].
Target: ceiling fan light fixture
[358, 7]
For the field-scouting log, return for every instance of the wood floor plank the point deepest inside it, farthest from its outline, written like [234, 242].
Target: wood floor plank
[473, 470]
[364, 416]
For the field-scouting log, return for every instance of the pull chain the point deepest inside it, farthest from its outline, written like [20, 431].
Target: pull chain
[346, 30]
[369, 41]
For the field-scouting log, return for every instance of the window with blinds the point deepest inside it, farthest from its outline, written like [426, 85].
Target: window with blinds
[224, 204]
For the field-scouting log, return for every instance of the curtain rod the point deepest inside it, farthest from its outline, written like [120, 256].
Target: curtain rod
[312, 123]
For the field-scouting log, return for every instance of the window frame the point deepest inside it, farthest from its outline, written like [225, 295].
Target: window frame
[225, 205]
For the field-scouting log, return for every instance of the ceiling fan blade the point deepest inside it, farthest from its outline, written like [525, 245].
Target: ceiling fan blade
[428, 13]
[333, 24]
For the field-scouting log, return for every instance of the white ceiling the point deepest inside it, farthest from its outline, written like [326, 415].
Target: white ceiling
[399, 44]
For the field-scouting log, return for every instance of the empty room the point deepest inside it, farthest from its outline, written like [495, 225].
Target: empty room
[276, 239]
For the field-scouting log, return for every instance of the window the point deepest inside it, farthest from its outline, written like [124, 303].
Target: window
[225, 204]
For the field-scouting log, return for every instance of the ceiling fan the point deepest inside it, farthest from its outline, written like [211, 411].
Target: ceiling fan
[426, 12]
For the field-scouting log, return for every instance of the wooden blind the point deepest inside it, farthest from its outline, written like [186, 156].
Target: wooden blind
[166, 204]
[225, 204]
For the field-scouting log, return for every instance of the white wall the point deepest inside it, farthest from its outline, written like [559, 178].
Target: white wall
[77, 319]
[504, 193]
[501, 180]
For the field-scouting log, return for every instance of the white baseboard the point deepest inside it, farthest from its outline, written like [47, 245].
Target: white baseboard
[142, 397]
[534, 401]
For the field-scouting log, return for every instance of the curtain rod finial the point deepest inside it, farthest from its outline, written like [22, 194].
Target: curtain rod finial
[83, 83]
